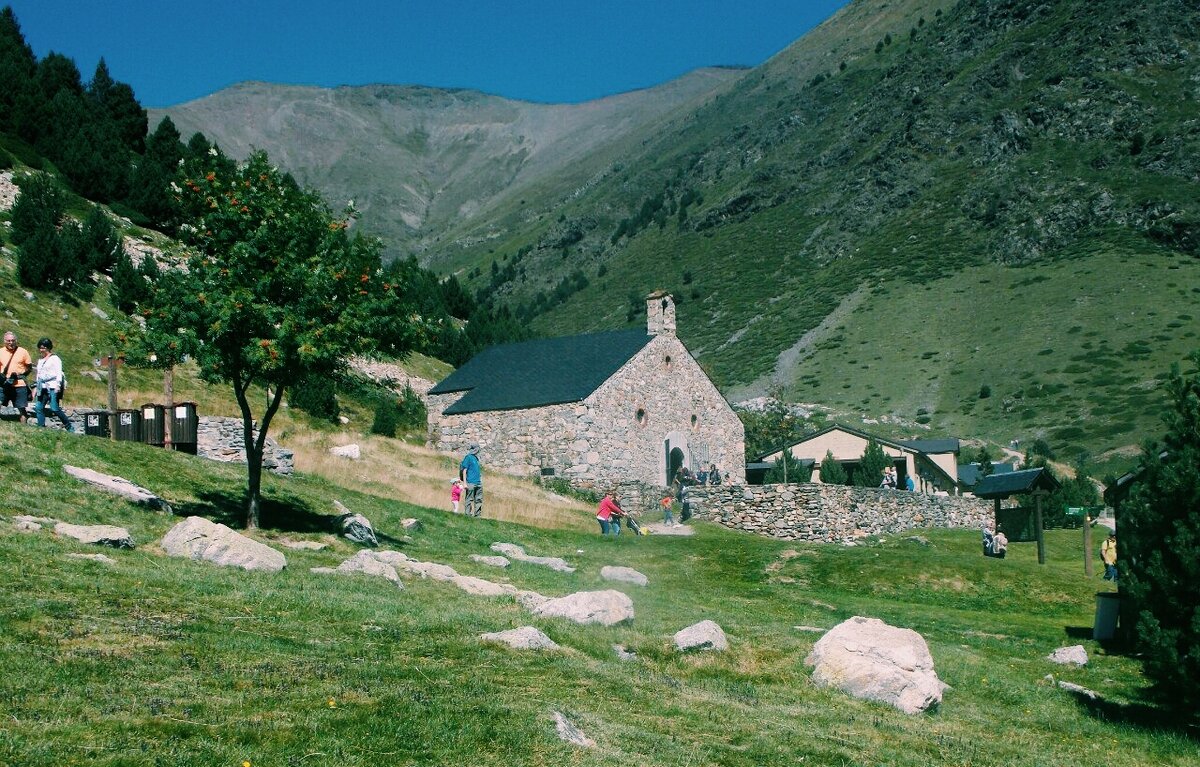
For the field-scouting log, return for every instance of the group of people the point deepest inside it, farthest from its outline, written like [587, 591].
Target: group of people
[891, 479]
[467, 488]
[995, 544]
[48, 386]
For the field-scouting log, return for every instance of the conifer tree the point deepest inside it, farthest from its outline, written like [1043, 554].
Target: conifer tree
[18, 69]
[832, 472]
[871, 465]
[1160, 547]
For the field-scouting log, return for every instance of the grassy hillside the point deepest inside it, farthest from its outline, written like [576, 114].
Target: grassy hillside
[154, 660]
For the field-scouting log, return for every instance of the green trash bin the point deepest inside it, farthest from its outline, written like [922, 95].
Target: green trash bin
[129, 425]
[95, 423]
[184, 425]
[153, 424]
[1108, 608]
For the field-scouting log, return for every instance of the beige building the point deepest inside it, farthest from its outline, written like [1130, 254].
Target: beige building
[932, 463]
[625, 405]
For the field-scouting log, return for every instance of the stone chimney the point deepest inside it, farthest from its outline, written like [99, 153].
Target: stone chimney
[660, 314]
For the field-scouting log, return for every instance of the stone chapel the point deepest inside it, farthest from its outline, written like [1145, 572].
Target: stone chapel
[596, 409]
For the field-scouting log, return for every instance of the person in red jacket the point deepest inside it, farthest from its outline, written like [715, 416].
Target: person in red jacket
[609, 514]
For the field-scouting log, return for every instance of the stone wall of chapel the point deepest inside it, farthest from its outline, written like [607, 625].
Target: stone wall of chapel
[600, 441]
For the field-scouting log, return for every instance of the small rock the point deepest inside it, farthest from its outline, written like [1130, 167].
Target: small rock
[516, 552]
[490, 561]
[570, 733]
[705, 635]
[623, 653]
[343, 420]
[1074, 654]
[96, 310]
[29, 296]
[304, 545]
[350, 451]
[624, 575]
[104, 558]
[96, 535]
[813, 629]
[524, 638]
[482, 588]
[410, 525]
[31, 524]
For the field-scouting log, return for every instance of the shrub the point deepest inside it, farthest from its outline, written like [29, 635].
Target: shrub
[1160, 548]
[985, 391]
[871, 465]
[314, 395]
[832, 472]
[387, 416]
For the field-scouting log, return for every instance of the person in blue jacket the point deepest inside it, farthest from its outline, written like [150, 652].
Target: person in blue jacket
[471, 474]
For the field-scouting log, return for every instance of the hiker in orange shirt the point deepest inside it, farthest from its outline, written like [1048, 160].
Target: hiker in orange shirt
[15, 364]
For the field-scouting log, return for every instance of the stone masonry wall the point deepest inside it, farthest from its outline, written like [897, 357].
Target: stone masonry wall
[831, 513]
[220, 439]
[600, 440]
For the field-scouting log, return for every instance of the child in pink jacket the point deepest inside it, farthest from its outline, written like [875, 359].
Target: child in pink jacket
[455, 494]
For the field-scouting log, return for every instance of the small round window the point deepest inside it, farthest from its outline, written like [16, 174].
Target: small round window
[695, 421]
[667, 361]
[641, 416]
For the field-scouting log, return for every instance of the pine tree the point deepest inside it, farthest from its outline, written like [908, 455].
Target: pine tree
[1160, 547]
[18, 70]
[39, 257]
[984, 459]
[99, 243]
[832, 472]
[871, 465]
[39, 205]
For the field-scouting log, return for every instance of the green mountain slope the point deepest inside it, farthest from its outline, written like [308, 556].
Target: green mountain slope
[851, 186]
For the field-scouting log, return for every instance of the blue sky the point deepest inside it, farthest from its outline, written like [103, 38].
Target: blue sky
[173, 51]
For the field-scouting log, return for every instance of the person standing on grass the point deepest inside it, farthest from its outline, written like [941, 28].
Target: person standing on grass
[51, 382]
[1108, 555]
[456, 490]
[471, 475]
[15, 364]
[999, 544]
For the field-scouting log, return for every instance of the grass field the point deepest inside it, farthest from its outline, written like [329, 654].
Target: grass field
[161, 661]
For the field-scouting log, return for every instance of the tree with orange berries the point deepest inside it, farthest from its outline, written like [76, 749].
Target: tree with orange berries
[275, 290]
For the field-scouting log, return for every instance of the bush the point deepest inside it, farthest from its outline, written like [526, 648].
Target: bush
[832, 472]
[1160, 548]
[406, 414]
[315, 396]
[387, 417]
[796, 471]
[871, 466]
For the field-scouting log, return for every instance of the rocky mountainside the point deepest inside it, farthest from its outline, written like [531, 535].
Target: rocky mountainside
[415, 160]
[980, 217]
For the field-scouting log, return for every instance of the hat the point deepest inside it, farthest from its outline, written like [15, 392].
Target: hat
[473, 448]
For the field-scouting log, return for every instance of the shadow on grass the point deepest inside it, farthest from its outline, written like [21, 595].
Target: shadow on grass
[1146, 716]
[282, 514]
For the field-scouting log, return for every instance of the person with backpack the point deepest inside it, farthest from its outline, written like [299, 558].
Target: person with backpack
[51, 385]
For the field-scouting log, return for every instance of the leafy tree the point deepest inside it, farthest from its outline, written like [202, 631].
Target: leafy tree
[276, 291]
[832, 472]
[771, 426]
[1160, 547]
[871, 465]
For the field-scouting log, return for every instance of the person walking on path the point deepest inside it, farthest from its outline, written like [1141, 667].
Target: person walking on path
[1108, 555]
[15, 364]
[50, 385]
[471, 474]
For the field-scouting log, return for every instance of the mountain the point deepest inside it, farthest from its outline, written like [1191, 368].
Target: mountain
[977, 217]
[416, 160]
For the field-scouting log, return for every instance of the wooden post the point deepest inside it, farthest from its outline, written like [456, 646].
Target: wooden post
[112, 397]
[995, 515]
[1087, 545]
[1041, 538]
[169, 396]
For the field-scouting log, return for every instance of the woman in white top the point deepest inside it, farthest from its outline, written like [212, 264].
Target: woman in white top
[50, 382]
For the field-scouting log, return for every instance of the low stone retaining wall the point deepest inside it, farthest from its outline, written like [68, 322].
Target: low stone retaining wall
[831, 513]
[220, 439]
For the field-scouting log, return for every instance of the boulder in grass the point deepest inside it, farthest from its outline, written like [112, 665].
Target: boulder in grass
[29, 524]
[1074, 655]
[119, 486]
[367, 563]
[607, 608]
[624, 575]
[350, 451]
[871, 660]
[355, 527]
[96, 535]
[200, 538]
[513, 551]
[483, 588]
[490, 561]
[705, 635]
[524, 638]
[410, 525]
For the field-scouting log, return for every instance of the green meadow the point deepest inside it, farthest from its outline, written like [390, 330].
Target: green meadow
[162, 661]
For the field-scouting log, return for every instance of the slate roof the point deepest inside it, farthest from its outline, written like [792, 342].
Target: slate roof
[930, 446]
[968, 474]
[545, 371]
[1015, 483]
